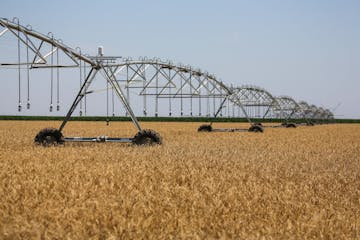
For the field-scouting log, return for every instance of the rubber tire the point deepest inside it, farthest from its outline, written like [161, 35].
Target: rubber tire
[49, 137]
[290, 125]
[256, 128]
[205, 128]
[147, 137]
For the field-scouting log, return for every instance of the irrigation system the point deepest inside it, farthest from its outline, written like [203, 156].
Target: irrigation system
[162, 88]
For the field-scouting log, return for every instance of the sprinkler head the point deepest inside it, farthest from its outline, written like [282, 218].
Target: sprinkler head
[28, 105]
[19, 108]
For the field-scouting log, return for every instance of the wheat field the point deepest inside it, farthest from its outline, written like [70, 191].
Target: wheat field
[301, 183]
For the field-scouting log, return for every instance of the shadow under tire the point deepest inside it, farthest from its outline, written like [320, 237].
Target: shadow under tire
[205, 128]
[49, 137]
[256, 128]
[147, 137]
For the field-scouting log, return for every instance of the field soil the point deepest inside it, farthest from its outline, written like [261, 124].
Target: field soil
[301, 183]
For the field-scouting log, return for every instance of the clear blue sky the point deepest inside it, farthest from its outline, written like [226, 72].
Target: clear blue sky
[307, 49]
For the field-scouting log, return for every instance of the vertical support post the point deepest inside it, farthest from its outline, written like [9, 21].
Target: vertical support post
[191, 96]
[214, 105]
[181, 97]
[221, 111]
[170, 107]
[52, 77]
[233, 110]
[127, 87]
[208, 100]
[228, 108]
[200, 103]
[28, 73]
[112, 102]
[107, 103]
[80, 71]
[144, 83]
[157, 92]
[19, 63]
[57, 81]
[85, 98]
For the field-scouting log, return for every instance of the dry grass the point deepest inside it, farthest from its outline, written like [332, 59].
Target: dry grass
[299, 183]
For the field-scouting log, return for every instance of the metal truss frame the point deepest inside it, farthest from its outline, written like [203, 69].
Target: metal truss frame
[287, 107]
[164, 79]
[305, 112]
[312, 114]
[249, 97]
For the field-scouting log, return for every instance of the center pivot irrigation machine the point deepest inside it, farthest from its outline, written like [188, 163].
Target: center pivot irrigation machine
[254, 102]
[187, 91]
[39, 48]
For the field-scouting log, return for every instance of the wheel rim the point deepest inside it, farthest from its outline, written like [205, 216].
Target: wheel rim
[146, 141]
[49, 140]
